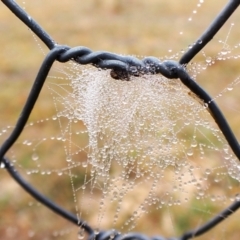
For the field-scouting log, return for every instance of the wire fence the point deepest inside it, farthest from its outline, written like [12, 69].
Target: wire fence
[122, 68]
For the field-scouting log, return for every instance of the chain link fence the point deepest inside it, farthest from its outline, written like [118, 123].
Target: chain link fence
[122, 68]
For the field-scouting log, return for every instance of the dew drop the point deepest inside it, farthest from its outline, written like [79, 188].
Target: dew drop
[35, 156]
[213, 198]
[112, 235]
[237, 197]
[2, 165]
[31, 234]
[81, 234]
[208, 60]
[225, 148]
[84, 164]
[208, 171]
[194, 143]
[224, 52]
[201, 193]
[190, 152]
[226, 155]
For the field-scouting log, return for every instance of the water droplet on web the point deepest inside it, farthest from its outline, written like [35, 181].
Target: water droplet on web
[81, 234]
[134, 133]
[208, 60]
[27, 142]
[194, 143]
[2, 165]
[31, 234]
[84, 164]
[213, 198]
[225, 148]
[226, 155]
[112, 235]
[224, 52]
[190, 152]
[237, 197]
[205, 105]
[35, 156]
[208, 171]
[201, 193]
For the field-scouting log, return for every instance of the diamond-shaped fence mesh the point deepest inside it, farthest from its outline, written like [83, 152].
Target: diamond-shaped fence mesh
[137, 135]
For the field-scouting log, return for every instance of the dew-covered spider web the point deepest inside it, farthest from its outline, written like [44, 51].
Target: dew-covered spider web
[142, 155]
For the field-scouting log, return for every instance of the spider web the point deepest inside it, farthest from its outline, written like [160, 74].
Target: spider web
[143, 155]
[149, 138]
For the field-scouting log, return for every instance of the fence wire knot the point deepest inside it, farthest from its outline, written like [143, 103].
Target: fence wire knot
[122, 67]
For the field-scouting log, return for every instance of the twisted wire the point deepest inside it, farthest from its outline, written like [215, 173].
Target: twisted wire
[123, 67]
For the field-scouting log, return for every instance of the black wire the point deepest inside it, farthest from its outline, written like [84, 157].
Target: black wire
[213, 222]
[44, 200]
[171, 69]
[30, 22]
[32, 98]
[210, 32]
[123, 67]
[213, 107]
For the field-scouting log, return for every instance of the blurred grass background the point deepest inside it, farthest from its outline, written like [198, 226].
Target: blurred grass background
[134, 27]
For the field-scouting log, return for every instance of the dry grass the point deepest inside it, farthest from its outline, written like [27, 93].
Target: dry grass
[135, 27]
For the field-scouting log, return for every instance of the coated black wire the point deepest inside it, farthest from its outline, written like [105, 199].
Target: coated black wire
[32, 98]
[30, 22]
[122, 67]
[41, 198]
[210, 32]
[212, 222]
